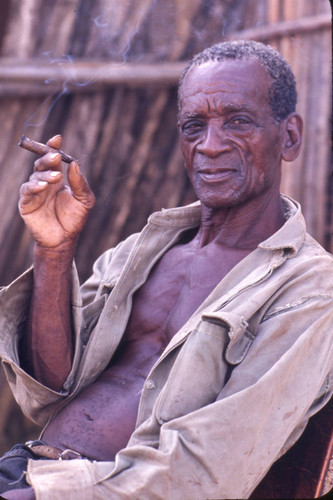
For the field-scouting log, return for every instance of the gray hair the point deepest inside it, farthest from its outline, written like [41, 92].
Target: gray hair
[282, 95]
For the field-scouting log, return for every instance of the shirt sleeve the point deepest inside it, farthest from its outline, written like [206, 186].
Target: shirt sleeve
[223, 449]
[35, 399]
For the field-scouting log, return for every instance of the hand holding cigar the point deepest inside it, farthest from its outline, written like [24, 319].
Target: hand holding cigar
[54, 206]
[41, 149]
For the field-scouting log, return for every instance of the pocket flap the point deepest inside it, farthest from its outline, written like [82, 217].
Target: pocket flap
[240, 336]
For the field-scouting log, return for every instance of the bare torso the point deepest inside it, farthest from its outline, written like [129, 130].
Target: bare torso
[99, 421]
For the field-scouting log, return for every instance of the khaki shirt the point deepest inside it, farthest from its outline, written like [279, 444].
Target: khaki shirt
[232, 391]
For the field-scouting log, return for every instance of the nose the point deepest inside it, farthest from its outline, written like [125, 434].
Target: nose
[214, 142]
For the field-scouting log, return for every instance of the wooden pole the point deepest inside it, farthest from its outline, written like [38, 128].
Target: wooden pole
[40, 77]
[284, 28]
[82, 75]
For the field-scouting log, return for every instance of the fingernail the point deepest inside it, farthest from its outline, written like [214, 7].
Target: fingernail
[42, 183]
[55, 174]
[53, 156]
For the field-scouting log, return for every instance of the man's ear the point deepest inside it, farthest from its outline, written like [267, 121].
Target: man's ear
[292, 138]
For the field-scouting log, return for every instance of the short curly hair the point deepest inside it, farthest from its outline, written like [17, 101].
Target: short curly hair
[282, 93]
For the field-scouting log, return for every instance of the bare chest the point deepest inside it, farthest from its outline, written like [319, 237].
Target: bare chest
[176, 287]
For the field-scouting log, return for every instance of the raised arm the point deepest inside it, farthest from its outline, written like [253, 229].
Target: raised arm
[54, 214]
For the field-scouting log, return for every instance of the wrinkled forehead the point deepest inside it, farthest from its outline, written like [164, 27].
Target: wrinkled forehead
[229, 79]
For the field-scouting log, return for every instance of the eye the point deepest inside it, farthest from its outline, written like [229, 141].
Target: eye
[192, 127]
[240, 122]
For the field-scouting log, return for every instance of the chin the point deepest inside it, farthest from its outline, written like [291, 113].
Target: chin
[219, 196]
[230, 198]
[220, 204]
[219, 201]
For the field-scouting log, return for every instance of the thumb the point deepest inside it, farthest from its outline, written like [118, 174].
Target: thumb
[79, 186]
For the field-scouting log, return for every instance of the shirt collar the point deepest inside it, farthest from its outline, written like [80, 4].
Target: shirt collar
[289, 237]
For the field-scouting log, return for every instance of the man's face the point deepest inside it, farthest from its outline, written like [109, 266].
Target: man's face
[230, 141]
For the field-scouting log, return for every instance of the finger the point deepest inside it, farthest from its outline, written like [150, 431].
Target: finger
[30, 188]
[49, 176]
[29, 193]
[38, 183]
[50, 161]
[55, 141]
[79, 186]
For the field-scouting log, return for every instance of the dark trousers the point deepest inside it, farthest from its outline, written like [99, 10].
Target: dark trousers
[13, 466]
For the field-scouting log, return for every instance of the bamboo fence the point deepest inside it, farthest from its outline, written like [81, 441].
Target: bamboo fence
[104, 74]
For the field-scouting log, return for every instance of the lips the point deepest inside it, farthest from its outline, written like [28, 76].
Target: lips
[215, 174]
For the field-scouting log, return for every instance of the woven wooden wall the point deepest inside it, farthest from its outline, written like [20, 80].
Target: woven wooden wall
[104, 74]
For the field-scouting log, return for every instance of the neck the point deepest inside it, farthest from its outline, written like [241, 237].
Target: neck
[243, 226]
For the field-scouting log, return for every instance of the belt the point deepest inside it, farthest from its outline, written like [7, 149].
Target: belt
[42, 449]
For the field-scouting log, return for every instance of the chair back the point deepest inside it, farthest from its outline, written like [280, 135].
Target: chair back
[303, 471]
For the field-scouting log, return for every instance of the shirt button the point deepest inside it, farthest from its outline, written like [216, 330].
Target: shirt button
[150, 384]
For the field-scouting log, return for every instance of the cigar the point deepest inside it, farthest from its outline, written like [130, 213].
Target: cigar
[41, 149]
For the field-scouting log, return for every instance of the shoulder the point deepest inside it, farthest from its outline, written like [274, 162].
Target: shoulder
[314, 259]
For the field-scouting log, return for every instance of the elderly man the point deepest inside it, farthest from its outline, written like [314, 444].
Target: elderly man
[195, 354]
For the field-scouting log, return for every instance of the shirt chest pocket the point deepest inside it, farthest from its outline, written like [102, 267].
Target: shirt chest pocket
[202, 365]
[239, 333]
